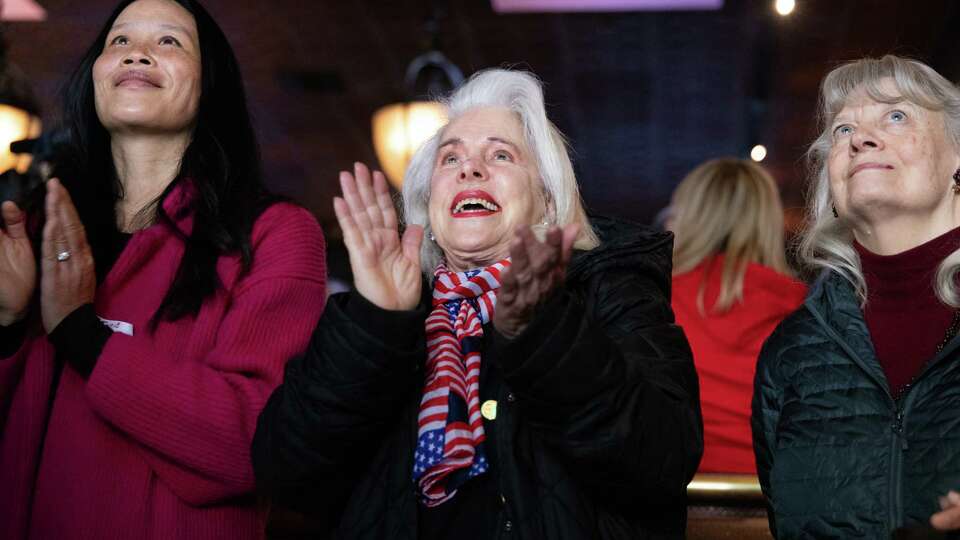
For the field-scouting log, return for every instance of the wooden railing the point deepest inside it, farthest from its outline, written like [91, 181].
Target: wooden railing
[725, 488]
[726, 506]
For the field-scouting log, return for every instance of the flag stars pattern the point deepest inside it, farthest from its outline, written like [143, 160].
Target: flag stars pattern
[450, 437]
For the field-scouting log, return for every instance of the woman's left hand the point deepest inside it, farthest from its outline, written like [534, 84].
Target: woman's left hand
[68, 277]
[536, 270]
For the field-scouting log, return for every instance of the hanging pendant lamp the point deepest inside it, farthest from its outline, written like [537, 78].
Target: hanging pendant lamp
[400, 128]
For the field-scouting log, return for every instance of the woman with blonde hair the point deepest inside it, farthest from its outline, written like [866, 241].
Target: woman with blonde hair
[731, 287]
[857, 396]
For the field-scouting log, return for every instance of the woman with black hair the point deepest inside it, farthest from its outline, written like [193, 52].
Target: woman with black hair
[138, 348]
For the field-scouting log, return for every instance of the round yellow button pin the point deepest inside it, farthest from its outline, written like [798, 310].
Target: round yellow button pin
[489, 409]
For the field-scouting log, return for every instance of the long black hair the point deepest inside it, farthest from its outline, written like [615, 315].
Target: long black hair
[222, 160]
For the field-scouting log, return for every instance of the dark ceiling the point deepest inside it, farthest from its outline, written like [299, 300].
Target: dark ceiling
[643, 97]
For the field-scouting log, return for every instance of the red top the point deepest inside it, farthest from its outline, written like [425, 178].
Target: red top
[901, 302]
[156, 443]
[725, 349]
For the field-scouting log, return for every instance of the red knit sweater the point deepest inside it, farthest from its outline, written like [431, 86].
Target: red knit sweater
[725, 349]
[155, 444]
[906, 320]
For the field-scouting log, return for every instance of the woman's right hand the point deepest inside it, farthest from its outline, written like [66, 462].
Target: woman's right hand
[386, 267]
[18, 268]
[948, 518]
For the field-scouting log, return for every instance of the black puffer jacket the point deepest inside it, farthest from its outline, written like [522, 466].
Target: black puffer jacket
[598, 429]
[836, 455]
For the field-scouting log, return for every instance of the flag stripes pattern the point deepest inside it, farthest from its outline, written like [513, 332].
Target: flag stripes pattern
[450, 427]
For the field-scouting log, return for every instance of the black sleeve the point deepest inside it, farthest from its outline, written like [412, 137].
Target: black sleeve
[765, 416]
[609, 384]
[79, 339]
[11, 338]
[923, 531]
[337, 403]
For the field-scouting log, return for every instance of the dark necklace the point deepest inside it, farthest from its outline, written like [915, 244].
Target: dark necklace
[951, 333]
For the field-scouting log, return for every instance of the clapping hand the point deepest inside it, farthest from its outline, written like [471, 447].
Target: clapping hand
[948, 518]
[18, 270]
[537, 269]
[386, 267]
[68, 277]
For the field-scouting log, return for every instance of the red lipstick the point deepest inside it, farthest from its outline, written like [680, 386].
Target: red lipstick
[473, 203]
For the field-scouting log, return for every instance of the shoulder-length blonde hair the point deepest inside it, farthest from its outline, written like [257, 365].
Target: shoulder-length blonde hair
[827, 242]
[729, 206]
[522, 93]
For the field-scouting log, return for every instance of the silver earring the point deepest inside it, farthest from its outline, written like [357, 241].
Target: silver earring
[431, 236]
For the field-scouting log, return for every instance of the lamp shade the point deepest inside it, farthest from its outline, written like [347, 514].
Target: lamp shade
[16, 124]
[399, 130]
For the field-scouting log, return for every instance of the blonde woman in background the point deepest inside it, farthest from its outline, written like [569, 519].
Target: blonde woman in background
[731, 287]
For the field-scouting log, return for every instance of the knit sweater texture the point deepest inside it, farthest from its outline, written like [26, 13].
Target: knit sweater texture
[901, 301]
[155, 444]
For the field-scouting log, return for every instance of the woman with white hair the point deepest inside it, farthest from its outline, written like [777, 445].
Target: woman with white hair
[857, 395]
[533, 385]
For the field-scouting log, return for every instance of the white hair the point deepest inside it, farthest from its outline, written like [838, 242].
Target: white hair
[827, 242]
[520, 92]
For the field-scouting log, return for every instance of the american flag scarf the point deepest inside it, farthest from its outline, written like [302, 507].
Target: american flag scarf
[450, 436]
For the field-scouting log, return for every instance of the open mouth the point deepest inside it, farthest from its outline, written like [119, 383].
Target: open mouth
[473, 204]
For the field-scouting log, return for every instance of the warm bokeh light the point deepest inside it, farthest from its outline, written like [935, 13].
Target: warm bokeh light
[399, 129]
[784, 7]
[758, 152]
[22, 10]
[15, 124]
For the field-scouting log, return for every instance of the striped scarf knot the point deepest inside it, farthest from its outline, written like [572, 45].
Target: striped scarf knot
[450, 434]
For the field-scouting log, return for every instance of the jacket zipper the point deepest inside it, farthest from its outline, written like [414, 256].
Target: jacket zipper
[901, 406]
[897, 444]
[898, 441]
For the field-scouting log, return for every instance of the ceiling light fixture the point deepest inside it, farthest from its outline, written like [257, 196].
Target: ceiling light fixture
[400, 128]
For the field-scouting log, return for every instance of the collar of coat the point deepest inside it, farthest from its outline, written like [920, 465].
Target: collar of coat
[628, 246]
[833, 302]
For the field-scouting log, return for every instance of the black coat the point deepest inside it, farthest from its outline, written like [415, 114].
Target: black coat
[598, 428]
[836, 455]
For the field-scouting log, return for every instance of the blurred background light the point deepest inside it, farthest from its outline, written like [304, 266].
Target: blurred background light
[785, 7]
[21, 10]
[758, 152]
[19, 112]
[399, 129]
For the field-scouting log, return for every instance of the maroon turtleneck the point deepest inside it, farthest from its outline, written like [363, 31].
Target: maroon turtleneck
[906, 320]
